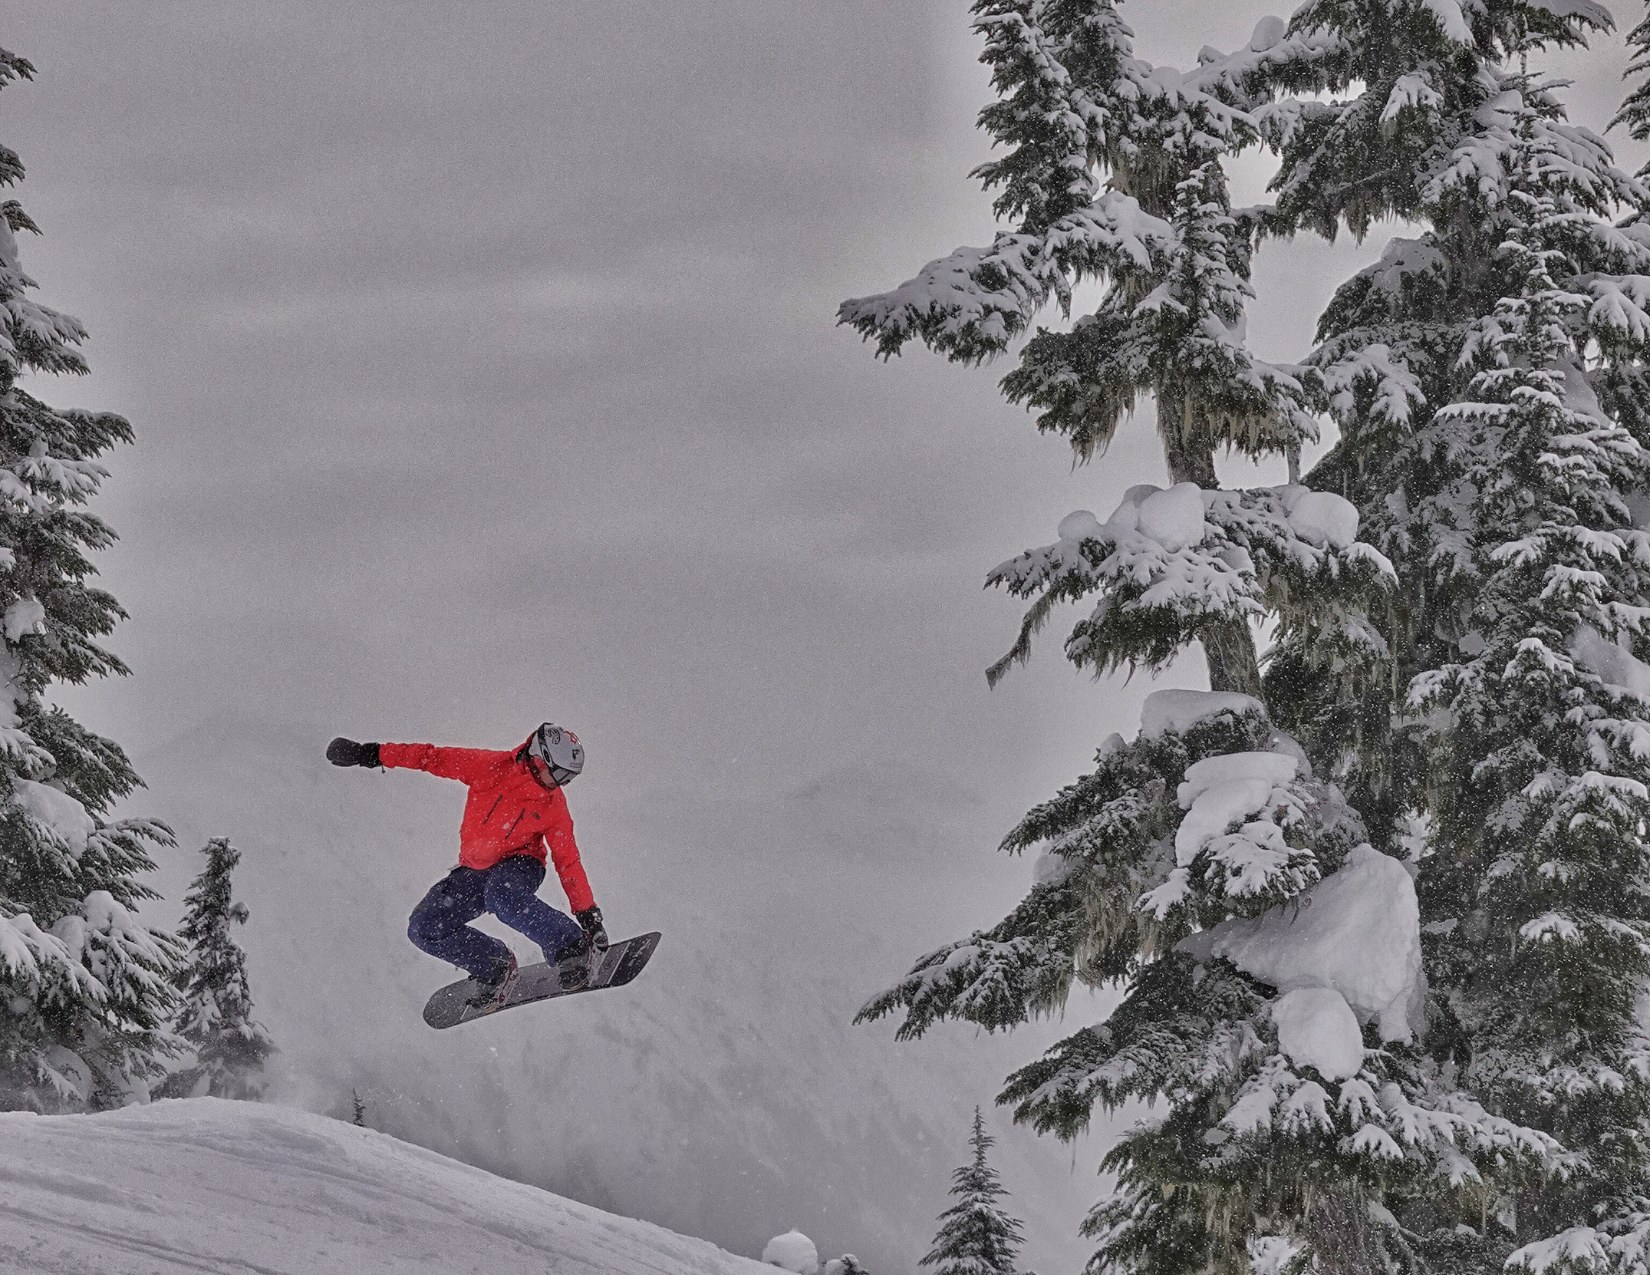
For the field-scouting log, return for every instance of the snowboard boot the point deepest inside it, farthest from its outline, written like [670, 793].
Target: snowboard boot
[574, 966]
[494, 991]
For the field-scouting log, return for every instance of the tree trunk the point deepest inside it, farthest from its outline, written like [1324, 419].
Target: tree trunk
[1191, 459]
[1228, 645]
[1344, 1240]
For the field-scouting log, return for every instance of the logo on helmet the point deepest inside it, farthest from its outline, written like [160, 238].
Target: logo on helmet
[554, 755]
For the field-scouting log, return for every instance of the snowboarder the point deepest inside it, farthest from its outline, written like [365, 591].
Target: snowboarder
[516, 812]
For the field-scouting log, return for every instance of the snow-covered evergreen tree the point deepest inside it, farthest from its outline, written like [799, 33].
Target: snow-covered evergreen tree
[1635, 111]
[87, 987]
[1539, 780]
[1314, 1105]
[1405, 109]
[1487, 378]
[216, 1017]
[1162, 236]
[976, 1236]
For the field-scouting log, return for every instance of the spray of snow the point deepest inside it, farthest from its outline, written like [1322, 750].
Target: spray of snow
[1358, 931]
[1272, 1254]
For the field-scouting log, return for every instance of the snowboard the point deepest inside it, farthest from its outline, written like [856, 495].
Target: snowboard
[614, 968]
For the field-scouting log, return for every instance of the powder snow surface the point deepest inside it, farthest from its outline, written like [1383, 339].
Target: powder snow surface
[1178, 710]
[1357, 931]
[201, 1184]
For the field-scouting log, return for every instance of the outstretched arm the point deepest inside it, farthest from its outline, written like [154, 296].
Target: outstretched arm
[464, 764]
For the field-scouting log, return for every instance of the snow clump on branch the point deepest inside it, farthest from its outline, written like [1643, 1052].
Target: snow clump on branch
[1170, 564]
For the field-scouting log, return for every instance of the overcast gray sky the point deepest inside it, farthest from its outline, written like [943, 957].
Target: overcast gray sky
[483, 368]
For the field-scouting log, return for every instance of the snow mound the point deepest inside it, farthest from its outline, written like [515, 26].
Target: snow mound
[1320, 517]
[59, 815]
[1179, 711]
[26, 615]
[1173, 518]
[1224, 790]
[1212, 772]
[793, 1251]
[1358, 931]
[1611, 661]
[1268, 34]
[1317, 1028]
[1079, 525]
[198, 1184]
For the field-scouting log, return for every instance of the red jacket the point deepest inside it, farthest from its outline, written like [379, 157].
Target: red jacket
[508, 812]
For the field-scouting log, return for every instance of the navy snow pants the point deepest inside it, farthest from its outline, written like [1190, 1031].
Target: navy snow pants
[440, 925]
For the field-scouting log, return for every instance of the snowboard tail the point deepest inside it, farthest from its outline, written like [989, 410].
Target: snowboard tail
[615, 967]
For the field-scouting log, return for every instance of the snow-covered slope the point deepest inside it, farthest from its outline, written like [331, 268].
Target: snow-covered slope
[201, 1184]
[726, 1093]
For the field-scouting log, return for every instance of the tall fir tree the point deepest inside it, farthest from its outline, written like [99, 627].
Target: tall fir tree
[215, 1021]
[1635, 110]
[1537, 735]
[1488, 387]
[976, 1236]
[88, 988]
[1161, 236]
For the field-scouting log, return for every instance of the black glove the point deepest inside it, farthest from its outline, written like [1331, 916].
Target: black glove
[591, 920]
[346, 752]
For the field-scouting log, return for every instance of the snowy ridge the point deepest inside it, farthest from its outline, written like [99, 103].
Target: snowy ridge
[203, 1184]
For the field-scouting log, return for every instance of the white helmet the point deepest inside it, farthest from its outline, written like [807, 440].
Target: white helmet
[554, 755]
